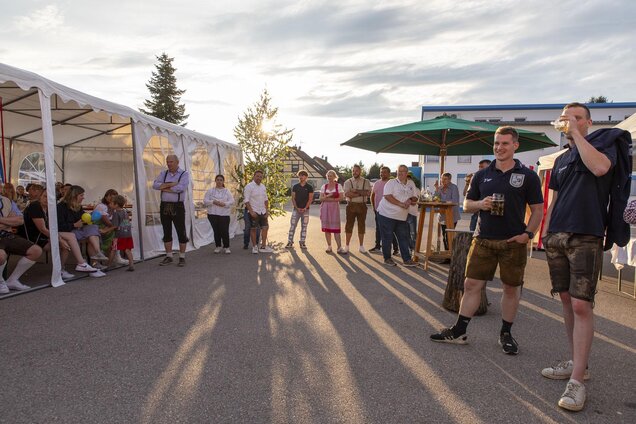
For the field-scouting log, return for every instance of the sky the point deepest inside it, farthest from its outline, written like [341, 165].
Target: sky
[333, 68]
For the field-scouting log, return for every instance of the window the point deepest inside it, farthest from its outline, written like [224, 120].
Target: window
[520, 119]
[464, 159]
[202, 176]
[432, 159]
[32, 169]
[295, 167]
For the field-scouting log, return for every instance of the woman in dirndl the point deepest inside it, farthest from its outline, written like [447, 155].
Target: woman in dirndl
[330, 196]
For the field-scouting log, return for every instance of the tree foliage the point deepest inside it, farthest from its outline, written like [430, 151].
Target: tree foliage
[599, 99]
[346, 172]
[164, 94]
[374, 171]
[265, 146]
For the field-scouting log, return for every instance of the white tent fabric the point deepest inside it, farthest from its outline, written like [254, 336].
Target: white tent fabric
[629, 124]
[99, 145]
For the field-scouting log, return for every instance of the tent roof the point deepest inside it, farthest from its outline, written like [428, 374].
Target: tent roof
[629, 124]
[76, 116]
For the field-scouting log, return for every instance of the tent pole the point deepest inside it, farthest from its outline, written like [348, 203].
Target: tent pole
[136, 172]
[192, 215]
[4, 162]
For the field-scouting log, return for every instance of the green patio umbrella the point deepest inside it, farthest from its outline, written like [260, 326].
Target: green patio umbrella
[442, 136]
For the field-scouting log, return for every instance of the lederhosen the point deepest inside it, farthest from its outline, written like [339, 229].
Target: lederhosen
[173, 213]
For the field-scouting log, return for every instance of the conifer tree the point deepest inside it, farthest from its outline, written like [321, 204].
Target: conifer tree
[265, 146]
[164, 94]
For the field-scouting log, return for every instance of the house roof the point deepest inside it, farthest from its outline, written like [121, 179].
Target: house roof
[539, 106]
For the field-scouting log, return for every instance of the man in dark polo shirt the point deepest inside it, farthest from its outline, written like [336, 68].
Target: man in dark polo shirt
[499, 239]
[302, 195]
[575, 224]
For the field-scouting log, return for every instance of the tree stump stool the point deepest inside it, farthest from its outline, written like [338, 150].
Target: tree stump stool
[455, 285]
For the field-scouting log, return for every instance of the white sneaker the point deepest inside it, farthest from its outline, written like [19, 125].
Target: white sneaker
[255, 250]
[16, 285]
[217, 250]
[266, 249]
[573, 399]
[81, 268]
[562, 371]
[120, 261]
[3, 288]
[66, 275]
[362, 249]
[227, 251]
[99, 257]
[345, 249]
[97, 274]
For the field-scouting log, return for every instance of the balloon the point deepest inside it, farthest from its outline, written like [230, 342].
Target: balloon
[96, 216]
[86, 218]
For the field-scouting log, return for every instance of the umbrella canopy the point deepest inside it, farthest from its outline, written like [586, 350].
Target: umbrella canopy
[442, 136]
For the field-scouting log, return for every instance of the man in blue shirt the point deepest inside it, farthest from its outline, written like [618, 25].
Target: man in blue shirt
[173, 184]
[573, 239]
[501, 237]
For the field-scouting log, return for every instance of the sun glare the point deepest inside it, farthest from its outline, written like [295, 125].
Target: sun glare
[268, 126]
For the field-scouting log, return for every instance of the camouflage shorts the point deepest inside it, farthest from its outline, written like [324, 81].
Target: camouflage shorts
[484, 256]
[574, 261]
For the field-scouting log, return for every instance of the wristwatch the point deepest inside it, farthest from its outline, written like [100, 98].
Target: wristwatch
[530, 234]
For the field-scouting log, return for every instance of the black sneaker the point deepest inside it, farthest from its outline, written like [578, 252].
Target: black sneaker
[245, 246]
[375, 249]
[303, 245]
[396, 253]
[166, 261]
[181, 262]
[389, 262]
[289, 245]
[447, 336]
[508, 344]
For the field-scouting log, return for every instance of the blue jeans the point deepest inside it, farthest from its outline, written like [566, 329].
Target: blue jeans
[412, 221]
[389, 227]
[378, 237]
[247, 219]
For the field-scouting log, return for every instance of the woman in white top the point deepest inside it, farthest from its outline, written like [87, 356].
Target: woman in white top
[399, 195]
[219, 202]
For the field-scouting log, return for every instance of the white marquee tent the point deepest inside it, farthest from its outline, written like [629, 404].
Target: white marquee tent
[55, 133]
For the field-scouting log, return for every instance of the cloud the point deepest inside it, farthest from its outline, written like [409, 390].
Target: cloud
[373, 103]
[46, 19]
[121, 59]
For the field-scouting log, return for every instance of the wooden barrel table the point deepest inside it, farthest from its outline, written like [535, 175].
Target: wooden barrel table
[455, 284]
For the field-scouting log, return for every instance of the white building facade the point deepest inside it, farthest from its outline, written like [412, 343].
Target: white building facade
[533, 117]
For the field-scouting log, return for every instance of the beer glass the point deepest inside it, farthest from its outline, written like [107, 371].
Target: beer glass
[561, 126]
[497, 204]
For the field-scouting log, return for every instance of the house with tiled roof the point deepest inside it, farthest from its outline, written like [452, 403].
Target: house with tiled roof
[316, 167]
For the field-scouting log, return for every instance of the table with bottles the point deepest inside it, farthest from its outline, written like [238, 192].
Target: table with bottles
[433, 207]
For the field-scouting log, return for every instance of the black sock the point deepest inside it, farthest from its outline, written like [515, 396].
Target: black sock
[506, 327]
[460, 326]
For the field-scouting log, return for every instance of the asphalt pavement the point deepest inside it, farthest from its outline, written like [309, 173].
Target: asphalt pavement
[297, 336]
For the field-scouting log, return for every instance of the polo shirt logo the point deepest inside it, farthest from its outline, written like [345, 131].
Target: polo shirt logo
[516, 180]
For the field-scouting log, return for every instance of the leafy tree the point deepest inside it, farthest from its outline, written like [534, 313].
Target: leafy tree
[265, 146]
[599, 99]
[374, 171]
[164, 94]
[344, 173]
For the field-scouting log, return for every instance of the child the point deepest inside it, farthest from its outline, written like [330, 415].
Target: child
[123, 235]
